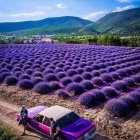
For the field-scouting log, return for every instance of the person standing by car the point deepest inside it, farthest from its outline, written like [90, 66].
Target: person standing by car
[24, 118]
[23, 111]
[55, 130]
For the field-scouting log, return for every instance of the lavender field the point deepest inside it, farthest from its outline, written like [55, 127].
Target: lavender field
[95, 75]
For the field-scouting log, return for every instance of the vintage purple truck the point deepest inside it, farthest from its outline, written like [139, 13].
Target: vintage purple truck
[72, 127]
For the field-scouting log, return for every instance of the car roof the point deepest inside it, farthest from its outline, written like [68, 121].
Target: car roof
[55, 112]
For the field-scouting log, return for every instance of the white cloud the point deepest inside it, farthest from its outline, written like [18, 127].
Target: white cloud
[31, 14]
[95, 15]
[124, 1]
[119, 9]
[44, 8]
[61, 6]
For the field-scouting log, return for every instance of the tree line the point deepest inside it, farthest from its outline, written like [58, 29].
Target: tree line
[109, 40]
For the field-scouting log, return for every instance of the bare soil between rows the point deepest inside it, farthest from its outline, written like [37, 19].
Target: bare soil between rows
[11, 99]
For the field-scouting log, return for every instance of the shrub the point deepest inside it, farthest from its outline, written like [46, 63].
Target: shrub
[48, 71]
[86, 75]
[4, 70]
[120, 86]
[134, 69]
[18, 74]
[77, 78]
[87, 84]
[129, 82]
[136, 96]
[103, 71]
[54, 85]
[82, 64]
[29, 71]
[9, 67]
[24, 76]
[115, 76]
[95, 67]
[71, 72]
[117, 108]
[80, 70]
[95, 73]
[122, 73]
[25, 84]
[128, 71]
[60, 65]
[130, 101]
[3, 75]
[11, 80]
[110, 69]
[76, 88]
[66, 68]
[25, 67]
[100, 97]
[37, 74]
[66, 80]
[98, 81]
[50, 77]
[61, 75]
[87, 99]
[42, 88]
[110, 92]
[36, 80]
[36, 66]
[62, 93]
[106, 78]
[88, 68]
[136, 78]
[57, 70]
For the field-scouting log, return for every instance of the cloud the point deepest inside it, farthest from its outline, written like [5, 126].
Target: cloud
[95, 15]
[119, 9]
[124, 1]
[44, 8]
[61, 6]
[31, 14]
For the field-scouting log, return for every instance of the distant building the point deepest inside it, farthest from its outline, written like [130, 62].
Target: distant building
[47, 40]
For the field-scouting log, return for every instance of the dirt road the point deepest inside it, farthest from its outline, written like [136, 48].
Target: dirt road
[8, 113]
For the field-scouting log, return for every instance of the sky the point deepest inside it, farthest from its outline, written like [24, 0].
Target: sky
[25, 10]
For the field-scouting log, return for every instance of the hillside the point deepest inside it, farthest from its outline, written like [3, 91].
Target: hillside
[119, 23]
[66, 21]
[122, 23]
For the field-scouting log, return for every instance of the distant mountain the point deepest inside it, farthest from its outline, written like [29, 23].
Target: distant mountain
[67, 21]
[119, 23]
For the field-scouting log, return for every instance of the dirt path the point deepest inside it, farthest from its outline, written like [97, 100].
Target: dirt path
[8, 113]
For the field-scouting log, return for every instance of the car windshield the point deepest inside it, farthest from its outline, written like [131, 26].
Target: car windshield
[67, 120]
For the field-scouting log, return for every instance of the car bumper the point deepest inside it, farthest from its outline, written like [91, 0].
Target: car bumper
[87, 136]
[92, 135]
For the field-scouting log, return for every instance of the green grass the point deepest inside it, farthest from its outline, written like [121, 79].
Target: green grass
[7, 134]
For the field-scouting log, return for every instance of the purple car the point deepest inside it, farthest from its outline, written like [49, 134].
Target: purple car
[71, 125]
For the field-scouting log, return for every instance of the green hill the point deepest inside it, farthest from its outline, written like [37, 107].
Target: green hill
[67, 21]
[119, 23]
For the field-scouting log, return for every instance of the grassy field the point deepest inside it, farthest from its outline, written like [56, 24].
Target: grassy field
[8, 134]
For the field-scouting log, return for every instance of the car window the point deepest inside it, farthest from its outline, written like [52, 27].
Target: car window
[46, 121]
[67, 119]
[39, 118]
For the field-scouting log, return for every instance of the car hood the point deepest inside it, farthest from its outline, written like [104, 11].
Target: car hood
[78, 128]
[32, 112]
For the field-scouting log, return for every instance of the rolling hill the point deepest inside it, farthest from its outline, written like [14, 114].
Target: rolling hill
[120, 23]
[67, 21]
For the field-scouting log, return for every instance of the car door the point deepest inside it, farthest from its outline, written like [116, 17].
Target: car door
[38, 126]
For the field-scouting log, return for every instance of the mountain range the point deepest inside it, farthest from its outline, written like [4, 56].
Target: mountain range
[119, 23]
